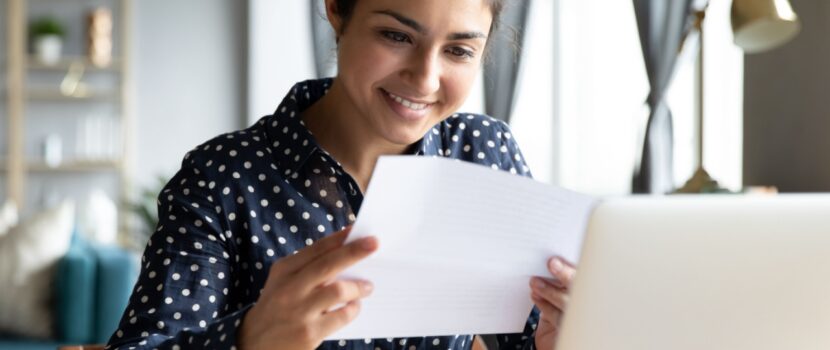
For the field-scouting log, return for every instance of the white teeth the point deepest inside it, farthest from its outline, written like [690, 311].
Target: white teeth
[406, 103]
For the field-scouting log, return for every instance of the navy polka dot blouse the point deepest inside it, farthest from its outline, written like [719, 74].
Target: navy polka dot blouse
[245, 199]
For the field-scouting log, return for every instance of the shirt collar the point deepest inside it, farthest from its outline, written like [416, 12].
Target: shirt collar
[291, 141]
[293, 144]
[430, 143]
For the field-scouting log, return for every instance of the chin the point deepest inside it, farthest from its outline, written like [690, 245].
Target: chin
[404, 138]
[402, 132]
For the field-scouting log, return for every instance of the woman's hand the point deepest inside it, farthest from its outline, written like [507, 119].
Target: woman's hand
[295, 309]
[551, 296]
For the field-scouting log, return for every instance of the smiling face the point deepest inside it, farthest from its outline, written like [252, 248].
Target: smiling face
[407, 65]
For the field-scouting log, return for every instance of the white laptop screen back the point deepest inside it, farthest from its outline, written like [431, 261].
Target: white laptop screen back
[703, 272]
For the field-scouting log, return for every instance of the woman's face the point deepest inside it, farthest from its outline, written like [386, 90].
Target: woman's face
[407, 65]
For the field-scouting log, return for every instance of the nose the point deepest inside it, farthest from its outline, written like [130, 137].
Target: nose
[423, 72]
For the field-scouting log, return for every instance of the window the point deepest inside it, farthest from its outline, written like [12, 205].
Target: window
[602, 87]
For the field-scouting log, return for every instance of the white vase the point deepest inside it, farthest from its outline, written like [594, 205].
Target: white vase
[98, 218]
[52, 150]
[48, 48]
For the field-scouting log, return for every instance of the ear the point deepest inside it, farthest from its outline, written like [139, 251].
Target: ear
[334, 17]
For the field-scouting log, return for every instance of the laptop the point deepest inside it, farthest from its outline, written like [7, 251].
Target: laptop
[703, 272]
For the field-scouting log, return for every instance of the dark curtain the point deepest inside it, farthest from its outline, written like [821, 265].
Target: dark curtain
[502, 68]
[663, 26]
[325, 49]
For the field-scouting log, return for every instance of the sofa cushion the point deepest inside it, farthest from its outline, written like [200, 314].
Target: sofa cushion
[117, 273]
[8, 217]
[75, 293]
[29, 254]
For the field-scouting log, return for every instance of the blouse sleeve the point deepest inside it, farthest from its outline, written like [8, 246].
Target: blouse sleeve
[184, 295]
[513, 161]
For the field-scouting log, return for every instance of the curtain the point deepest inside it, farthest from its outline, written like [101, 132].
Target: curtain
[325, 48]
[501, 70]
[663, 26]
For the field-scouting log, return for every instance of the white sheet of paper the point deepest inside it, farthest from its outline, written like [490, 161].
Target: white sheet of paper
[458, 245]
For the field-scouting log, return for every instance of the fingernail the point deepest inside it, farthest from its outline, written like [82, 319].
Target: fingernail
[537, 283]
[556, 264]
[368, 287]
[368, 243]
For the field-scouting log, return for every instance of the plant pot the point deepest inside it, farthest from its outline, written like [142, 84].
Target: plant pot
[48, 49]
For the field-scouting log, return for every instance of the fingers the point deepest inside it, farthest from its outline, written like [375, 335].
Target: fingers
[300, 301]
[558, 297]
[336, 319]
[338, 292]
[562, 270]
[327, 267]
[549, 311]
[293, 263]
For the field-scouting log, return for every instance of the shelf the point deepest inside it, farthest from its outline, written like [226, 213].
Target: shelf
[44, 94]
[65, 62]
[88, 91]
[72, 166]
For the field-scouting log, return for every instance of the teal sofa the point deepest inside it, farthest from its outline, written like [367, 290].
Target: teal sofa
[92, 285]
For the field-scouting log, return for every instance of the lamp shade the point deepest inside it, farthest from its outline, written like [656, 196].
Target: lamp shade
[761, 25]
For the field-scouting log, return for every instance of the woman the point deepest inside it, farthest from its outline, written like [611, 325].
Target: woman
[234, 261]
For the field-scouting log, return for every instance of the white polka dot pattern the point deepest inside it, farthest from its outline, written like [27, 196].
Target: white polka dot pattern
[245, 199]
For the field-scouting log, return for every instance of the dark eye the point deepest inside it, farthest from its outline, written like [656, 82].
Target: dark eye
[397, 37]
[460, 52]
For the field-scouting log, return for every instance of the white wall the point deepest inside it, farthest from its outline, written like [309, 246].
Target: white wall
[189, 60]
[280, 52]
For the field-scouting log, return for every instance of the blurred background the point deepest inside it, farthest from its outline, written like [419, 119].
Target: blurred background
[101, 99]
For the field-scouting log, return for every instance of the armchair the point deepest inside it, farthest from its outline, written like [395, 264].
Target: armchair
[91, 288]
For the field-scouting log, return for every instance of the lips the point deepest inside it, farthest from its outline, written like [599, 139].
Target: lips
[407, 103]
[410, 104]
[409, 110]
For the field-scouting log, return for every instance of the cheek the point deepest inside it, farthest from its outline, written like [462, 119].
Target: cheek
[365, 61]
[458, 83]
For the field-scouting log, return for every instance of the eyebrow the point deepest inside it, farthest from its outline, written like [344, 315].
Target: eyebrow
[411, 23]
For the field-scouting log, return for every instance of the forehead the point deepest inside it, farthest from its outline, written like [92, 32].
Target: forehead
[434, 15]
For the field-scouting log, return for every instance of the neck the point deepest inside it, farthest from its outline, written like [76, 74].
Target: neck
[342, 132]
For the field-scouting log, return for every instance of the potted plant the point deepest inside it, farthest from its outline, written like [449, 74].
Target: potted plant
[47, 39]
[145, 210]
